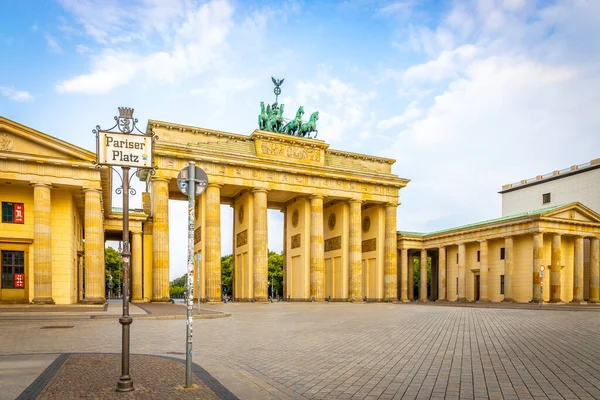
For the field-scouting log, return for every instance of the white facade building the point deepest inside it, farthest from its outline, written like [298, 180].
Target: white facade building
[578, 183]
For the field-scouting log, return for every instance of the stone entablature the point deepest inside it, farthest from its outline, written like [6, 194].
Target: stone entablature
[275, 158]
[580, 221]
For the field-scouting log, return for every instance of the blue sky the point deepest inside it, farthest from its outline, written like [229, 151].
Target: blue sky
[465, 95]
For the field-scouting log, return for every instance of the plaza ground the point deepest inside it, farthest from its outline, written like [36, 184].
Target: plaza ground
[339, 350]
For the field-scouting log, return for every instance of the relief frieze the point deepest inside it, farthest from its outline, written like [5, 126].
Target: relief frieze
[294, 152]
[241, 238]
[6, 142]
[369, 245]
[334, 243]
[295, 241]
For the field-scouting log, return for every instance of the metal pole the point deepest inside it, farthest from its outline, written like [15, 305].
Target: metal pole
[125, 383]
[190, 272]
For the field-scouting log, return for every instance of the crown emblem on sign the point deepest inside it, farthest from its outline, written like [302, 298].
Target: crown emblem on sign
[125, 112]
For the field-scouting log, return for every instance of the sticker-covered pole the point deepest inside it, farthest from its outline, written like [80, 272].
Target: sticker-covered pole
[191, 192]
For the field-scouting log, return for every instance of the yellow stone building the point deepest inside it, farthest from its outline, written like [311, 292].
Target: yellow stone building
[340, 237]
[500, 259]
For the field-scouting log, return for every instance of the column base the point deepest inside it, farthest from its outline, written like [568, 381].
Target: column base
[593, 301]
[423, 300]
[578, 302]
[483, 301]
[94, 300]
[441, 301]
[508, 300]
[160, 300]
[404, 301]
[461, 300]
[556, 301]
[43, 300]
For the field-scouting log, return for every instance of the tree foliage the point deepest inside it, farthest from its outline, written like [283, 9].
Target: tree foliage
[275, 262]
[275, 266]
[114, 268]
[417, 275]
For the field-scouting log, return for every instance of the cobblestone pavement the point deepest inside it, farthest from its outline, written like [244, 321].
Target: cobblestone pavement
[96, 375]
[360, 351]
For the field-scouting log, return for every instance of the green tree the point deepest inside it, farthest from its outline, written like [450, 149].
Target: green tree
[177, 286]
[275, 262]
[227, 274]
[114, 268]
[417, 275]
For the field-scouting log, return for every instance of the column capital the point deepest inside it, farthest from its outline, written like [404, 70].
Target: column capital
[392, 204]
[217, 185]
[159, 179]
[316, 196]
[85, 190]
[259, 190]
[483, 241]
[41, 184]
[359, 201]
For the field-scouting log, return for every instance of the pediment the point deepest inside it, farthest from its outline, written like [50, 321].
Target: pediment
[17, 139]
[573, 212]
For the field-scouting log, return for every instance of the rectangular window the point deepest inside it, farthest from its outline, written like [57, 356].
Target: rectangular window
[546, 198]
[502, 253]
[456, 285]
[457, 258]
[13, 269]
[478, 255]
[13, 213]
[501, 284]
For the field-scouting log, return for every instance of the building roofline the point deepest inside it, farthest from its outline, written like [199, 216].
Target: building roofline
[573, 170]
[486, 222]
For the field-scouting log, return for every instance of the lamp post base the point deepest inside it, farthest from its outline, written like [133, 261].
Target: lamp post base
[125, 384]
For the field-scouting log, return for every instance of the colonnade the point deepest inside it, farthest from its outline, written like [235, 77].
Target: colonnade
[518, 280]
[256, 237]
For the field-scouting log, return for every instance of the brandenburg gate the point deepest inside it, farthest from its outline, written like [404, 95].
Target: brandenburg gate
[339, 213]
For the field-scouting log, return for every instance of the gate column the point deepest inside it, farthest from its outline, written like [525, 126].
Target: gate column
[354, 252]
[391, 253]
[317, 250]
[160, 239]
[213, 242]
[260, 268]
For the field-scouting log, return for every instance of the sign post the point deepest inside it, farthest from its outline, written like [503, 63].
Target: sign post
[126, 149]
[542, 269]
[192, 181]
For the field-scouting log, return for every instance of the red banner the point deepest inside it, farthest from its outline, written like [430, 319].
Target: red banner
[19, 280]
[18, 213]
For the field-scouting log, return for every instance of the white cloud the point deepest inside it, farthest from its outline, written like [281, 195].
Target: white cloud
[198, 40]
[82, 49]
[53, 44]
[20, 96]
[410, 113]
[448, 63]
[511, 98]
[342, 108]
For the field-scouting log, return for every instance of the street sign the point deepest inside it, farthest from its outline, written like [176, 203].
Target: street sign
[201, 181]
[124, 149]
[542, 268]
